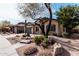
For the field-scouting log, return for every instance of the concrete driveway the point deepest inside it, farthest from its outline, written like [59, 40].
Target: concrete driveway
[6, 48]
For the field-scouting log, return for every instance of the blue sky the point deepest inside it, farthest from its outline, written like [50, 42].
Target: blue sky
[57, 6]
[9, 11]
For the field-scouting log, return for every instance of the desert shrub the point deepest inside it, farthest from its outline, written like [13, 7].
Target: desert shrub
[44, 53]
[43, 41]
[31, 50]
[41, 37]
[46, 40]
[38, 39]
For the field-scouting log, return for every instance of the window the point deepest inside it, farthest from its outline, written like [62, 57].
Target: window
[37, 29]
[52, 28]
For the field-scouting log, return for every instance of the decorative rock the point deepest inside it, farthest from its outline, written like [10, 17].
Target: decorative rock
[26, 41]
[31, 50]
[60, 51]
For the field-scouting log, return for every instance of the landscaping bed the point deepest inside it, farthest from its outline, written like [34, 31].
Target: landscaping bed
[34, 50]
[37, 46]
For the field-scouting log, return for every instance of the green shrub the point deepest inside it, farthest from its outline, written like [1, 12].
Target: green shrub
[38, 39]
[41, 38]
[46, 40]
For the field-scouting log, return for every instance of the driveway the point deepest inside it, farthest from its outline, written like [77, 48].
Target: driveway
[6, 48]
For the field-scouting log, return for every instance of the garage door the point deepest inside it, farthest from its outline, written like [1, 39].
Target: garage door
[29, 30]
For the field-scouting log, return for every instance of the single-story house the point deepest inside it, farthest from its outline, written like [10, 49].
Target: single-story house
[54, 29]
[20, 27]
[33, 28]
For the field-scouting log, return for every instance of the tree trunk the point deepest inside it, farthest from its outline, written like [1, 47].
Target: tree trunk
[50, 11]
[43, 31]
[25, 28]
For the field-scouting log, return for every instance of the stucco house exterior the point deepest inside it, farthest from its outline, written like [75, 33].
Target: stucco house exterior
[34, 29]
[55, 27]
[20, 27]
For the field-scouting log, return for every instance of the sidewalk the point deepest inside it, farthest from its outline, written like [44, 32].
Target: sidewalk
[6, 48]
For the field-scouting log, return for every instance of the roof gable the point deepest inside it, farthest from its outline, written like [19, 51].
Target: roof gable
[44, 20]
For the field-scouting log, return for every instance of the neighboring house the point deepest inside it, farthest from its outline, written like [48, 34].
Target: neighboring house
[32, 28]
[20, 28]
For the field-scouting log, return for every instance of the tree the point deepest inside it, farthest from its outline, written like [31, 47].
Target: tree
[25, 27]
[4, 25]
[68, 16]
[50, 11]
[33, 10]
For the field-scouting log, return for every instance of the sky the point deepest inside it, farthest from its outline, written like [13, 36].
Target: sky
[10, 13]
